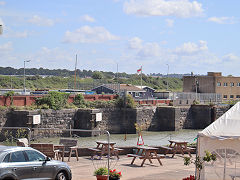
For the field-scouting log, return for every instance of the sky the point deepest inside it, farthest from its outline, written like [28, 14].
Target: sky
[175, 36]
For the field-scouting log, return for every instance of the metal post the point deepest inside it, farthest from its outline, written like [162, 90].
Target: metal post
[195, 87]
[167, 75]
[24, 87]
[1, 29]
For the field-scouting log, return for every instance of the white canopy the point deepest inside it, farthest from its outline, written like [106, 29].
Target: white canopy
[225, 127]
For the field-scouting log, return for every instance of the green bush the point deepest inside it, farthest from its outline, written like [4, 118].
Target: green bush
[79, 101]
[10, 94]
[54, 100]
[130, 103]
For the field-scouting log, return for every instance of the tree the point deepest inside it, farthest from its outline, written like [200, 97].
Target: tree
[97, 75]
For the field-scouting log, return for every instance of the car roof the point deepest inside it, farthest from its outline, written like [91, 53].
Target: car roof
[13, 148]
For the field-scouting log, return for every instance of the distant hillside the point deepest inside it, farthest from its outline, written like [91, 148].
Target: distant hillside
[63, 79]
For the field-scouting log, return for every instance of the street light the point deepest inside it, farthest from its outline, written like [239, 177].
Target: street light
[24, 76]
[1, 29]
[167, 75]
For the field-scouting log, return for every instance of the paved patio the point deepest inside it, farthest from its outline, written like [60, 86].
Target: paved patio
[172, 169]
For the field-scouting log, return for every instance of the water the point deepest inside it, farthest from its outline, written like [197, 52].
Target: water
[150, 138]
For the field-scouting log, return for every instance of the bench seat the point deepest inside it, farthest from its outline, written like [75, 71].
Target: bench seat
[134, 155]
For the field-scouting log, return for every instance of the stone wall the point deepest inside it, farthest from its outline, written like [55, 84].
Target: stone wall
[115, 120]
[220, 110]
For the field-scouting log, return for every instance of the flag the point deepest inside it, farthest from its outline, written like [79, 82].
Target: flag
[139, 70]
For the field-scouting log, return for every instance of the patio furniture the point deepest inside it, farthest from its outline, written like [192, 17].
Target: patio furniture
[70, 147]
[102, 149]
[146, 153]
[178, 146]
[46, 148]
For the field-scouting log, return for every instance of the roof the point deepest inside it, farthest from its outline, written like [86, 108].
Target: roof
[142, 87]
[130, 87]
[127, 87]
[10, 148]
[225, 127]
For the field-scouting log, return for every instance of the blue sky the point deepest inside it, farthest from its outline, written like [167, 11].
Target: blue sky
[189, 36]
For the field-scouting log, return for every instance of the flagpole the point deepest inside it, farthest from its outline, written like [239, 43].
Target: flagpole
[75, 81]
[141, 77]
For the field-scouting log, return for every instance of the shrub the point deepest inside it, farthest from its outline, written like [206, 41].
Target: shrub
[79, 101]
[10, 94]
[54, 100]
[130, 103]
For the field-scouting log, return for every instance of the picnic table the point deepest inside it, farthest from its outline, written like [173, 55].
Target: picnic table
[178, 146]
[146, 153]
[102, 149]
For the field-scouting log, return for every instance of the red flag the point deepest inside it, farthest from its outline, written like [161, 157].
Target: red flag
[139, 70]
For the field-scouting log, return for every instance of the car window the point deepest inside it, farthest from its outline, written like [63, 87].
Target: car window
[34, 156]
[17, 156]
[6, 159]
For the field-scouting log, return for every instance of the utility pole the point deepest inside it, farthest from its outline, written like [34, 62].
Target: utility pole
[117, 73]
[141, 77]
[75, 81]
[1, 29]
[167, 76]
[24, 77]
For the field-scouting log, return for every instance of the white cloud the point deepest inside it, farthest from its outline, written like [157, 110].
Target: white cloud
[179, 8]
[135, 43]
[150, 50]
[2, 3]
[40, 21]
[191, 48]
[5, 48]
[223, 20]
[87, 18]
[144, 50]
[169, 22]
[87, 34]
[11, 34]
[231, 57]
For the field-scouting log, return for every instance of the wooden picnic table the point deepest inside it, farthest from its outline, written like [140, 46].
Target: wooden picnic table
[102, 148]
[60, 149]
[147, 153]
[179, 146]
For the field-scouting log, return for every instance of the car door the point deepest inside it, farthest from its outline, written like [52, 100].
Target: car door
[18, 165]
[41, 168]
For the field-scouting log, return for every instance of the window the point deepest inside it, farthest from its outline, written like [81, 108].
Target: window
[225, 84]
[231, 84]
[238, 84]
[225, 96]
[17, 157]
[6, 159]
[34, 156]
[231, 96]
[218, 84]
[237, 96]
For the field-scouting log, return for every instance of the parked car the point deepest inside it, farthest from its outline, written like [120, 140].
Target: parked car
[20, 163]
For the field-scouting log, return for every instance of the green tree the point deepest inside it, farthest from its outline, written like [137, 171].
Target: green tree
[79, 101]
[97, 75]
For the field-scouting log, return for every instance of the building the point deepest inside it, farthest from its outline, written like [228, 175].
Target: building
[214, 82]
[120, 89]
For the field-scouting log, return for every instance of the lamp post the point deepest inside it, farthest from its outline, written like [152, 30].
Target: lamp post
[167, 75]
[24, 76]
[196, 87]
[1, 29]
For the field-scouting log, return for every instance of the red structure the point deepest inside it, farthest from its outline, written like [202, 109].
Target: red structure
[22, 100]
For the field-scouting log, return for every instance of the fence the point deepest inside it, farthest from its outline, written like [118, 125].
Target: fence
[201, 97]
